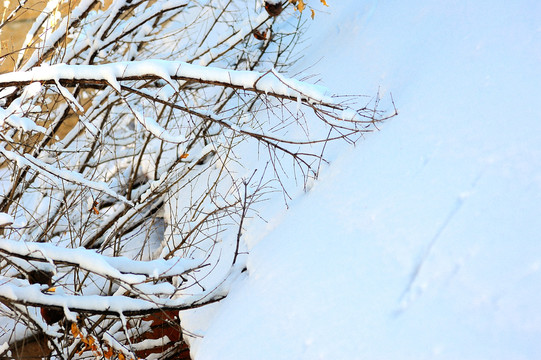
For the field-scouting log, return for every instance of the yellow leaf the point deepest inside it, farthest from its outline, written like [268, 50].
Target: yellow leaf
[324, 2]
[313, 13]
[184, 156]
[75, 330]
[94, 208]
[52, 289]
[121, 356]
[300, 5]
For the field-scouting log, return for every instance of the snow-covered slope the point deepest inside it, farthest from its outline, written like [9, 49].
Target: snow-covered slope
[425, 240]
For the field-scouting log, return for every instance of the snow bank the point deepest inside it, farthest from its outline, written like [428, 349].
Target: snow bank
[423, 242]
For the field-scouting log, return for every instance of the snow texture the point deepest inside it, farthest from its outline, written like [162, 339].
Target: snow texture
[6, 219]
[422, 242]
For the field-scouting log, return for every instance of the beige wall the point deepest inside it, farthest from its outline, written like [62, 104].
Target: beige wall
[14, 31]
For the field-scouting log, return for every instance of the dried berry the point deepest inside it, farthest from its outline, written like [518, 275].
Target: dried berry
[273, 9]
[260, 35]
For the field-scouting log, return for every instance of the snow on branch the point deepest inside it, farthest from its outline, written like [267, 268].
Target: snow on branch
[66, 175]
[6, 219]
[19, 122]
[264, 83]
[96, 304]
[119, 268]
[134, 274]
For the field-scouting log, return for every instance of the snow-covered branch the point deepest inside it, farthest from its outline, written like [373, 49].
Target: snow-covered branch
[118, 268]
[140, 279]
[269, 83]
[32, 295]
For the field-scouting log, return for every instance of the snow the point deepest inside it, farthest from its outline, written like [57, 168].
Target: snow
[14, 115]
[6, 219]
[32, 295]
[4, 347]
[121, 268]
[270, 82]
[150, 343]
[155, 129]
[19, 122]
[423, 241]
[67, 175]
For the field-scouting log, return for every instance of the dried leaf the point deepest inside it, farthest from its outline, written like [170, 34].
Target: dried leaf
[313, 14]
[324, 2]
[300, 5]
[75, 330]
[184, 156]
[109, 353]
[273, 9]
[260, 35]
